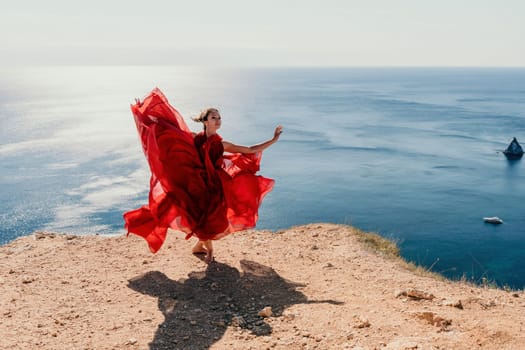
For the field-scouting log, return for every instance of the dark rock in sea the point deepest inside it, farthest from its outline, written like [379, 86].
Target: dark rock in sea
[514, 150]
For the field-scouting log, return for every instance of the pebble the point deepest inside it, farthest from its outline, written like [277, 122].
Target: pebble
[454, 303]
[27, 279]
[131, 341]
[362, 323]
[238, 321]
[266, 312]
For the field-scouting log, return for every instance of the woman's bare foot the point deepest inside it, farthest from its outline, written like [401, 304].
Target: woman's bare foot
[199, 248]
[208, 245]
[204, 247]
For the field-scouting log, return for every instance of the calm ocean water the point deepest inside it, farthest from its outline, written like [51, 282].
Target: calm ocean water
[413, 154]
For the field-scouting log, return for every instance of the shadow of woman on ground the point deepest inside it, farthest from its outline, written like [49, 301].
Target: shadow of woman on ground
[198, 309]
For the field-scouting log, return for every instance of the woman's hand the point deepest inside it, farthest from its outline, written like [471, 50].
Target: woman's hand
[278, 132]
[138, 102]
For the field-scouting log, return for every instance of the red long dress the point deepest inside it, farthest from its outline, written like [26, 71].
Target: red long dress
[194, 187]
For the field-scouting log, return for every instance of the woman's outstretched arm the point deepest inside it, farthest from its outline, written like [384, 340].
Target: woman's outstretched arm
[233, 148]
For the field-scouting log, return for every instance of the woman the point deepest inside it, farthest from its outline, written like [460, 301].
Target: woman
[195, 187]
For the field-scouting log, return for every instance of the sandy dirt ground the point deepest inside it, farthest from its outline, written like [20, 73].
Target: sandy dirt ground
[308, 287]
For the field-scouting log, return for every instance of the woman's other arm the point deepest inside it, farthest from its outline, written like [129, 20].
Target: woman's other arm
[233, 148]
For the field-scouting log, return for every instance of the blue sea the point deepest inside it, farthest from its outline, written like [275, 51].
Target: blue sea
[413, 154]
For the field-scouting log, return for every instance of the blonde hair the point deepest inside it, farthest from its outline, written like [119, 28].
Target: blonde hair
[203, 116]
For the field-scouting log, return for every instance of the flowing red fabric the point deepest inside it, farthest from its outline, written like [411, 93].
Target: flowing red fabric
[194, 187]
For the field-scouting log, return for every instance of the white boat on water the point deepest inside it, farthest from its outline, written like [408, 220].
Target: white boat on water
[493, 220]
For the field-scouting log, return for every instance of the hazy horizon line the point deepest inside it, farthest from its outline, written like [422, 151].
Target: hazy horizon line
[326, 66]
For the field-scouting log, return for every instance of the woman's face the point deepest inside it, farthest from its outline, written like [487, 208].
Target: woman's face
[214, 121]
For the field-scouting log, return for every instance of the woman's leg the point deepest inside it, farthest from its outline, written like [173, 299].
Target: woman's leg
[209, 251]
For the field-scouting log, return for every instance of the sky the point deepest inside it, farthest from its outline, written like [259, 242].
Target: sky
[264, 32]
